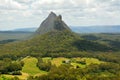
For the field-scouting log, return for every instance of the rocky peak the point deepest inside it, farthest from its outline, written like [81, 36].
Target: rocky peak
[52, 14]
[51, 23]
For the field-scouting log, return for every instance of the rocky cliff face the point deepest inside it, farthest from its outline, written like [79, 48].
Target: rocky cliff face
[52, 23]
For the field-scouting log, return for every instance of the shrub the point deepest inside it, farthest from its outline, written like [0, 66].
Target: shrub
[16, 73]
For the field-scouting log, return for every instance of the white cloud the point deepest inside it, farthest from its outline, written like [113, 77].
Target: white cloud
[25, 1]
[58, 4]
[11, 4]
[75, 12]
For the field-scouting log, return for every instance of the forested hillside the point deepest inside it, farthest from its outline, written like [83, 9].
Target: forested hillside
[52, 42]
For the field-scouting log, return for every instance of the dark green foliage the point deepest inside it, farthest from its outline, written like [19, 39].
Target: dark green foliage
[14, 67]
[7, 66]
[31, 78]
[103, 78]
[63, 61]
[16, 73]
[15, 78]
[111, 67]
[92, 72]
[90, 37]
[111, 39]
[22, 63]
[46, 66]
[115, 44]
[81, 62]
[7, 41]
[84, 45]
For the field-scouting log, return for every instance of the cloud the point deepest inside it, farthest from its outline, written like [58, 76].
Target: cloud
[75, 12]
[58, 4]
[25, 1]
[11, 5]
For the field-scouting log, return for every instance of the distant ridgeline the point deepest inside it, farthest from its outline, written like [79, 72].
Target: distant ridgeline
[52, 38]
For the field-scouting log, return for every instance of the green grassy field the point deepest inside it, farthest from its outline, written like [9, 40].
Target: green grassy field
[30, 66]
[89, 60]
[58, 61]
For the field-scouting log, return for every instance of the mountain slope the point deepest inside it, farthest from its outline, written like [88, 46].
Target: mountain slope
[49, 43]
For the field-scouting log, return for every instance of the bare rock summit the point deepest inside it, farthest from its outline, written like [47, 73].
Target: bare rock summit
[52, 23]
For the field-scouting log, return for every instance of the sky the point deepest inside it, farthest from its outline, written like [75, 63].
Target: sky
[30, 13]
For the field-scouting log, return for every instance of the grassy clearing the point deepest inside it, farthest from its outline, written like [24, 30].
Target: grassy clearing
[89, 60]
[30, 66]
[92, 61]
[47, 59]
[80, 65]
[58, 61]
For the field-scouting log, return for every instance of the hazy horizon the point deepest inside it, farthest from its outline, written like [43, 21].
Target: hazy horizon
[72, 27]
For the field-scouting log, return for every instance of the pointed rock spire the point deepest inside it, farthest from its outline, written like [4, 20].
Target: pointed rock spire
[52, 13]
[51, 23]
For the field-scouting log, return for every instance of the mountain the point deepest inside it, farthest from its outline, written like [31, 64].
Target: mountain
[55, 38]
[52, 23]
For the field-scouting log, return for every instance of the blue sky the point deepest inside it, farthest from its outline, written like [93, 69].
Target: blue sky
[30, 13]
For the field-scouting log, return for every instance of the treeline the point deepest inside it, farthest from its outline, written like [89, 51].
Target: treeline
[7, 66]
[111, 71]
[103, 56]
[112, 40]
[42, 65]
[7, 41]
